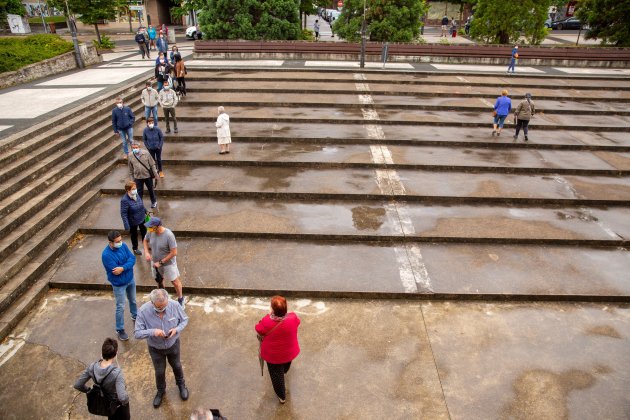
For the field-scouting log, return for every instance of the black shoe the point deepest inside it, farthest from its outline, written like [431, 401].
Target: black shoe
[157, 401]
[137, 252]
[515, 137]
[183, 392]
[526, 138]
[168, 131]
[176, 131]
[122, 335]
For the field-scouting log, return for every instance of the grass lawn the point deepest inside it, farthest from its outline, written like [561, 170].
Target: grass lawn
[18, 52]
[49, 19]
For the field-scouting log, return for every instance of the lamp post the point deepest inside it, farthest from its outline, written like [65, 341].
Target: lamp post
[75, 41]
[363, 36]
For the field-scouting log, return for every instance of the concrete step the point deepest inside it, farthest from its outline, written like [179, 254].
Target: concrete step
[10, 318]
[401, 157]
[334, 115]
[53, 198]
[376, 221]
[373, 270]
[271, 75]
[601, 107]
[398, 134]
[356, 184]
[35, 256]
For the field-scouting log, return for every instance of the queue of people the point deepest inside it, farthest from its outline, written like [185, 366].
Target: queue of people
[523, 113]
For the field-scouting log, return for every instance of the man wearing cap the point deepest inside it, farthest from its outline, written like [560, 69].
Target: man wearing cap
[118, 262]
[161, 321]
[160, 247]
[522, 114]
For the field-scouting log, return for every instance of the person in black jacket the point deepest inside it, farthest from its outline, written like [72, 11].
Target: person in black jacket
[162, 71]
[122, 123]
[133, 213]
[110, 378]
[142, 43]
[153, 139]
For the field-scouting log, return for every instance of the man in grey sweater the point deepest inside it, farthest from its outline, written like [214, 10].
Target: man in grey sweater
[168, 100]
[110, 379]
[149, 98]
[143, 171]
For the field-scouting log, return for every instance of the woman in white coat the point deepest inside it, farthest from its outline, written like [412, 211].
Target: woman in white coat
[223, 131]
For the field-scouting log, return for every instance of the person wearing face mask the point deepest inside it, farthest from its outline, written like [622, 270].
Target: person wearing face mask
[167, 98]
[143, 171]
[152, 36]
[149, 98]
[162, 71]
[162, 43]
[122, 123]
[180, 74]
[132, 212]
[118, 262]
[154, 140]
[160, 322]
[174, 53]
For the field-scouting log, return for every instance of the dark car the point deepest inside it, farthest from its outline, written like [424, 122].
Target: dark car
[568, 23]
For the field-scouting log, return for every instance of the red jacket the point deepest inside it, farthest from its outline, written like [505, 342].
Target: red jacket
[281, 346]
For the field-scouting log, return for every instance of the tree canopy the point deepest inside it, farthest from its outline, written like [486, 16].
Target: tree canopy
[386, 20]
[609, 20]
[503, 22]
[250, 19]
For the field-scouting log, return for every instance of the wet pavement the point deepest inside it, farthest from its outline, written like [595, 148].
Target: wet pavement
[425, 356]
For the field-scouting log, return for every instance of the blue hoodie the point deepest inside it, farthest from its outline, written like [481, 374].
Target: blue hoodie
[118, 257]
[153, 138]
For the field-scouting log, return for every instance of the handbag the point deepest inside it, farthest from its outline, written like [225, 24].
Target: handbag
[494, 113]
[97, 401]
[260, 340]
[148, 170]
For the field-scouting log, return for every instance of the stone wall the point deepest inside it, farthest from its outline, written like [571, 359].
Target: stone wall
[51, 66]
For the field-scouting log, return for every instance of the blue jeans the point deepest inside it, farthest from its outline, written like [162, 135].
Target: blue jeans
[500, 119]
[148, 110]
[119, 293]
[512, 65]
[126, 136]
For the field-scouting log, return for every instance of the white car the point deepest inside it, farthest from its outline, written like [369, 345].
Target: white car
[193, 32]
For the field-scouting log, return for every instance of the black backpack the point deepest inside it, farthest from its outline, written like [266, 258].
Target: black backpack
[97, 401]
[139, 38]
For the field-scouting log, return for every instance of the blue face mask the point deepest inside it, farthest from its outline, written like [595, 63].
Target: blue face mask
[117, 244]
[136, 151]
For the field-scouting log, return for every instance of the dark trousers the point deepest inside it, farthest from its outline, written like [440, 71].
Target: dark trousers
[521, 124]
[276, 373]
[156, 154]
[159, 358]
[133, 232]
[122, 413]
[140, 183]
[181, 82]
[170, 112]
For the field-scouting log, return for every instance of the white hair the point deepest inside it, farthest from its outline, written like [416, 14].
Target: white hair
[158, 296]
[221, 109]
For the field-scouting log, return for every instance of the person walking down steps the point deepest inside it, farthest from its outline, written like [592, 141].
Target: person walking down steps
[224, 137]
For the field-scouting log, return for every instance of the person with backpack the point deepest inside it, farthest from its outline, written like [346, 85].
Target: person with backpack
[522, 114]
[142, 43]
[108, 379]
[444, 26]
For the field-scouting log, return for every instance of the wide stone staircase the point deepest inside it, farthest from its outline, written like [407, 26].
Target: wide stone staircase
[343, 184]
[49, 176]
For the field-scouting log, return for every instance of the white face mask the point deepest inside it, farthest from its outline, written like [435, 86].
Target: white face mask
[119, 105]
[134, 192]
[151, 125]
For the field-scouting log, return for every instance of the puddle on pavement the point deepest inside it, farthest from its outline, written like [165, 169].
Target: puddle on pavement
[273, 178]
[368, 218]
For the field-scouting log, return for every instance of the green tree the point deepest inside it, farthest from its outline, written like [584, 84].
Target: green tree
[250, 19]
[386, 20]
[13, 7]
[609, 20]
[185, 7]
[90, 11]
[503, 22]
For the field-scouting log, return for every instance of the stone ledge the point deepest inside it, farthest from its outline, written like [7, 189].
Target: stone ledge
[49, 67]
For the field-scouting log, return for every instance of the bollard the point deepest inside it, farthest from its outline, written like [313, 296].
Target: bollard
[384, 53]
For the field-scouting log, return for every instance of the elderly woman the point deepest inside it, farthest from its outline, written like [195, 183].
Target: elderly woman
[279, 342]
[502, 108]
[223, 131]
[110, 379]
[133, 213]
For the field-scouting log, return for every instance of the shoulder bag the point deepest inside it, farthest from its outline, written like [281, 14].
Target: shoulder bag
[260, 340]
[148, 169]
[97, 401]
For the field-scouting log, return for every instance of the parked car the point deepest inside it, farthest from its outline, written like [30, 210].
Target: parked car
[548, 23]
[193, 32]
[568, 23]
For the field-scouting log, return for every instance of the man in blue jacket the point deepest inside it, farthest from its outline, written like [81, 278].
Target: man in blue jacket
[118, 262]
[153, 139]
[122, 123]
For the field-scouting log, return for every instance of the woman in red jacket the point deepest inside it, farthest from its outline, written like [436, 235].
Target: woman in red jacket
[279, 345]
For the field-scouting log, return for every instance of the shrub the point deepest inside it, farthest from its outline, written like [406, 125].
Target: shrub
[22, 51]
[307, 35]
[105, 44]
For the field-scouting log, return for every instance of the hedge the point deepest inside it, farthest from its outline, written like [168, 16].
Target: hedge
[18, 52]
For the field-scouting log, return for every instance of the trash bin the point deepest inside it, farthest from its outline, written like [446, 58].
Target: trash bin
[51, 25]
[454, 33]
